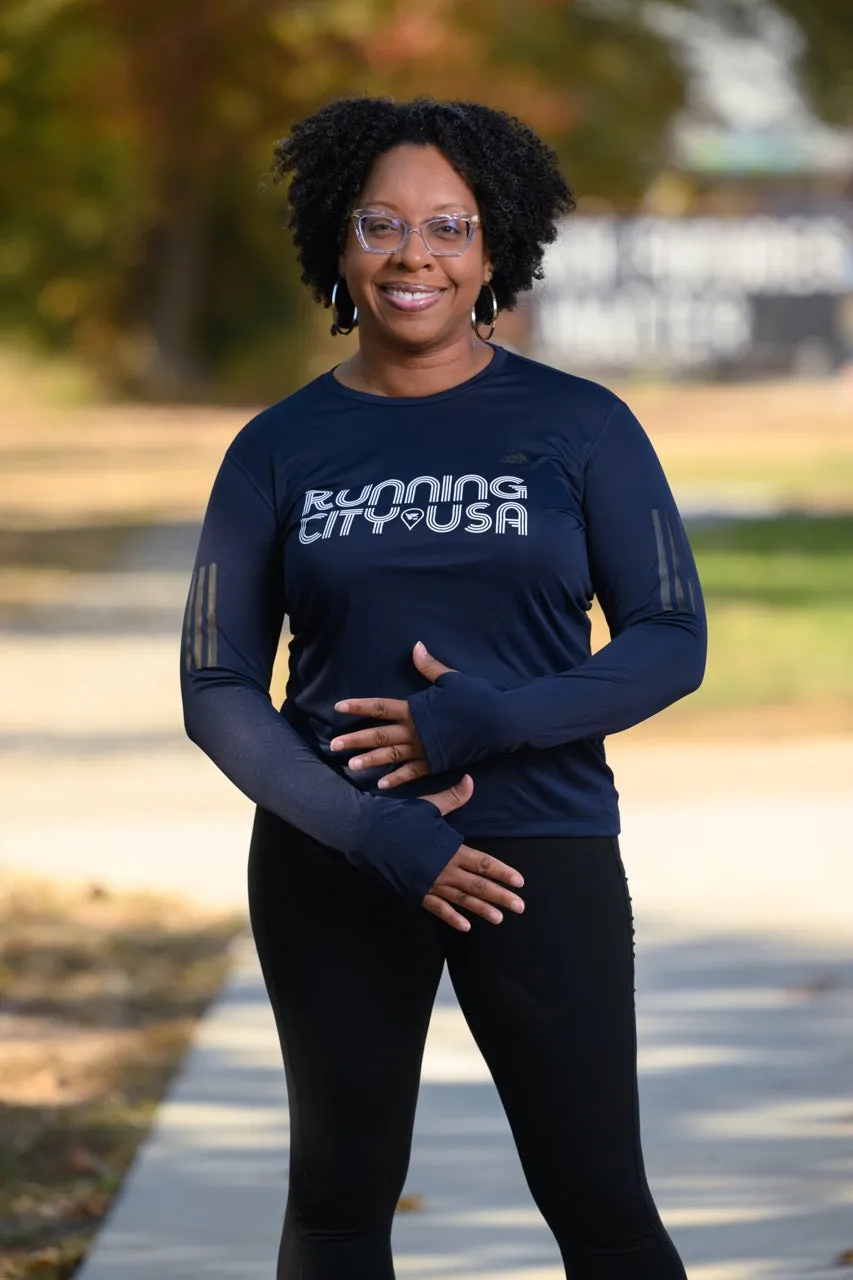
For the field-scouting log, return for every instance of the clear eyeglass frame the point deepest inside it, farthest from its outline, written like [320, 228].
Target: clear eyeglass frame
[359, 216]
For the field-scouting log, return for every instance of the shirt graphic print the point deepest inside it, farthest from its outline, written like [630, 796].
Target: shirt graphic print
[445, 502]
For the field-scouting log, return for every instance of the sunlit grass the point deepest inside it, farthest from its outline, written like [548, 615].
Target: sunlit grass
[765, 656]
[779, 594]
[780, 609]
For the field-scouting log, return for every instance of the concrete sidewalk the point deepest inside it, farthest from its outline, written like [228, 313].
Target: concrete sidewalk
[742, 880]
[745, 1001]
[746, 1094]
[755, 864]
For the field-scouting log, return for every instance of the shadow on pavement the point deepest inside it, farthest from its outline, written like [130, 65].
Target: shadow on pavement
[747, 1096]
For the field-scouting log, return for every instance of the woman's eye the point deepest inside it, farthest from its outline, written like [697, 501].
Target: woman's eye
[379, 226]
[449, 229]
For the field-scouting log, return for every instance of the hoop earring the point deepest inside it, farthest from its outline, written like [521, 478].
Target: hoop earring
[337, 328]
[475, 323]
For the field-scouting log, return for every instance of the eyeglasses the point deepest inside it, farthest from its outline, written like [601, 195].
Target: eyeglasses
[444, 236]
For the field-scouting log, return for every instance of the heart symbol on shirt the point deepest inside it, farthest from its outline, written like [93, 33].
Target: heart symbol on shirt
[411, 517]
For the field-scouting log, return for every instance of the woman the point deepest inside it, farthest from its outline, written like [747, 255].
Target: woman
[434, 515]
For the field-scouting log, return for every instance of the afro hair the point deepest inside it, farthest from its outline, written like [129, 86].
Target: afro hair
[514, 176]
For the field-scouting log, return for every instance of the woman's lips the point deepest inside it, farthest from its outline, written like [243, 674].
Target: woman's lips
[402, 298]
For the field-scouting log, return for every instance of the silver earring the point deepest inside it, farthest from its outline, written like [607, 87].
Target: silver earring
[475, 323]
[336, 325]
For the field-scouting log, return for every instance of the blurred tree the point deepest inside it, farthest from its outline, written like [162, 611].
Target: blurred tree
[826, 65]
[134, 133]
[591, 76]
[133, 138]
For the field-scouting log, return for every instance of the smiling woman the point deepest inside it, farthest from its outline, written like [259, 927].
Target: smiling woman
[470, 199]
[416, 267]
[435, 515]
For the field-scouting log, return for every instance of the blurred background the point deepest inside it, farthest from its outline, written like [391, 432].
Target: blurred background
[150, 304]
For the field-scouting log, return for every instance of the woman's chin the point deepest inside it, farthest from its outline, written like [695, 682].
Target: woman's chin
[417, 331]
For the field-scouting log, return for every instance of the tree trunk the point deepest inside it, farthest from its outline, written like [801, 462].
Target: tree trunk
[175, 369]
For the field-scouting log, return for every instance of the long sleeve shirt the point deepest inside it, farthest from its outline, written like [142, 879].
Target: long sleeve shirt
[480, 520]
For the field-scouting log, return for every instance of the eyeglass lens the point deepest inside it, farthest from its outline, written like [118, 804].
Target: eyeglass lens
[444, 235]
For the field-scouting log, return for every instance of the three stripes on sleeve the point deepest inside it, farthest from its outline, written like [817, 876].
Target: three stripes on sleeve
[200, 631]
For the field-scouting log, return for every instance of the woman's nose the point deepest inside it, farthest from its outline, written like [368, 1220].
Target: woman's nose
[413, 250]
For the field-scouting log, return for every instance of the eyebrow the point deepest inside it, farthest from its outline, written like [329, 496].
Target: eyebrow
[391, 206]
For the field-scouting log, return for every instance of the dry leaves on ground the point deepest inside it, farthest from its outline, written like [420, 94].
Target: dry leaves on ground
[99, 995]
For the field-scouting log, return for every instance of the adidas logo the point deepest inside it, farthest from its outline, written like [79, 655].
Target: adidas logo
[515, 457]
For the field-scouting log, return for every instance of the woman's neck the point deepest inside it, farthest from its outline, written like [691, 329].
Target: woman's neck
[385, 373]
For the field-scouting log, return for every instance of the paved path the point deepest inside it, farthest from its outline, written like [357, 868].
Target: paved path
[742, 879]
[746, 1094]
[745, 999]
[764, 865]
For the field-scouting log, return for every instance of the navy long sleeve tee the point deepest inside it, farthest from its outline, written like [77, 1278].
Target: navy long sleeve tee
[481, 520]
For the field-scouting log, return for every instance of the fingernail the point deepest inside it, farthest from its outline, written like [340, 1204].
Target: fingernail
[496, 917]
[517, 907]
[342, 706]
[517, 880]
[420, 647]
[355, 764]
[383, 783]
[336, 744]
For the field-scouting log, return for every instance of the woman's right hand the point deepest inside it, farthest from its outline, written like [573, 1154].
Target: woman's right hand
[471, 879]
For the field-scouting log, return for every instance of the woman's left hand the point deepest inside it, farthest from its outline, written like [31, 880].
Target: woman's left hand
[396, 742]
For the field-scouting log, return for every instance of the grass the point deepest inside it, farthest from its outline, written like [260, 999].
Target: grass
[99, 995]
[780, 609]
[779, 594]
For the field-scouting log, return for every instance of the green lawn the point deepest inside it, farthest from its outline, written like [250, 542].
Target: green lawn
[780, 606]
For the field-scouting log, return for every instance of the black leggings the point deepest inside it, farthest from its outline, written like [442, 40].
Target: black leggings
[352, 971]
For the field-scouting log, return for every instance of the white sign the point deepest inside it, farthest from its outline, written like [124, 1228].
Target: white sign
[679, 291]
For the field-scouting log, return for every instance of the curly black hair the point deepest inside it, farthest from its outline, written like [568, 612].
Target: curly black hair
[512, 172]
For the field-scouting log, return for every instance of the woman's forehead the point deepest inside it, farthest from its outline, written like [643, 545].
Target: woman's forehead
[416, 175]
